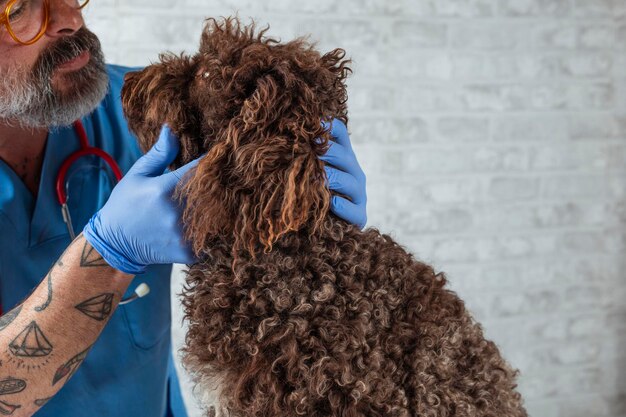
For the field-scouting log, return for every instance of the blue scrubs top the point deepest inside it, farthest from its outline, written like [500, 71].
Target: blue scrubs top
[129, 370]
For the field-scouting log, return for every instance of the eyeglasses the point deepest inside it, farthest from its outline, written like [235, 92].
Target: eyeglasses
[27, 20]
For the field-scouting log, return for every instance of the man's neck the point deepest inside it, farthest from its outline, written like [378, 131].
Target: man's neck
[23, 150]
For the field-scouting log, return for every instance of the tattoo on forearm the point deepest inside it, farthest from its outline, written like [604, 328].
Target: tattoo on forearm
[59, 261]
[41, 401]
[7, 409]
[47, 303]
[90, 257]
[98, 307]
[11, 385]
[31, 343]
[68, 369]
[9, 317]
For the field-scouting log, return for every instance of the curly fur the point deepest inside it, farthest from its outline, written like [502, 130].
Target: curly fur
[292, 311]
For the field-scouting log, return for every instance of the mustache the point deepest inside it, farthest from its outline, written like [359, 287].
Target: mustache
[65, 49]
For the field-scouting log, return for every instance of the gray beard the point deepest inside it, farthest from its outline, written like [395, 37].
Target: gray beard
[28, 99]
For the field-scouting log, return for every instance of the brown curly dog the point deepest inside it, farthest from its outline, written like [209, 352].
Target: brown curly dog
[292, 311]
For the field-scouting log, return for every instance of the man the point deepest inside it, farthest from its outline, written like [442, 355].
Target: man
[51, 74]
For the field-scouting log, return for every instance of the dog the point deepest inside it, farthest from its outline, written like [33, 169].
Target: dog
[293, 311]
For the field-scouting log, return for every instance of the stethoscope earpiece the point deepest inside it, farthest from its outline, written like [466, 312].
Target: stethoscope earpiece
[141, 291]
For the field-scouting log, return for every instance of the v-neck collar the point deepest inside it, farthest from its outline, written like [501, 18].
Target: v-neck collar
[41, 214]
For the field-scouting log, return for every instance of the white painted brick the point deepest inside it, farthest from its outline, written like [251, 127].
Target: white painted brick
[461, 249]
[572, 96]
[598, 36]
[585, 406]
[243, 6]
[513, 188]
[619, 10]
[470, 279]
[488, 36]
[574, 186]
[445, 8]
[322, 6]
[542, 330]
[459, 160]
[586, 326]
[172, 31]
[389, 131]
[515, 304]
[542, 408]
[595, 8]
[534, 127]
[557, 8]
[499, 159]
[597, 126]
[549, 273]
[621, 37]
[560, 35]
[553, 384]
[541, 216]
[573, 354]
[495, 97]
[344, 34]
[424, 65]
[413, 100]
[461, 190]
[371, 98]
[585, 298]
[588, 65]
[412, 34]
[506, 66]
[463, 128]
[370, 63]
[586, 156]
[418, 221]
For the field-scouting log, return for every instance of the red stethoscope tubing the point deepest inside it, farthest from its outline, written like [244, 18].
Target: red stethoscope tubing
[85, 149]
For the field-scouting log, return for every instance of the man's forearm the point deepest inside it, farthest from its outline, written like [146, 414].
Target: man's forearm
[46, 338]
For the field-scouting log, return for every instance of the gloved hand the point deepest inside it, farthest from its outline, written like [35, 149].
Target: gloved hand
[345, 176]
[140, 223]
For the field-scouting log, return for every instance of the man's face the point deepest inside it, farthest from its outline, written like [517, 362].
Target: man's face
[58, 79]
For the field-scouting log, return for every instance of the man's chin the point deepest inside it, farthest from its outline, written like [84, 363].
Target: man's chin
[75, 94]
[64, 85]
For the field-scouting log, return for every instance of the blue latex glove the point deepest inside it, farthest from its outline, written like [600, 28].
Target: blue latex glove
[140, 223]
[345, 176]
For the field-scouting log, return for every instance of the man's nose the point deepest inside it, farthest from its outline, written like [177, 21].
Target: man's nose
[65, 18]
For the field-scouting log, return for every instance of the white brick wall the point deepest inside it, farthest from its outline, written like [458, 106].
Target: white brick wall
[493, 135]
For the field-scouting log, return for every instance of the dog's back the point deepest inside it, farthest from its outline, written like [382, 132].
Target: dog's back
[344, 323]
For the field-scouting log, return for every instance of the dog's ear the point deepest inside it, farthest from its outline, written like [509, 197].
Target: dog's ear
[159, 94]
[262, 178]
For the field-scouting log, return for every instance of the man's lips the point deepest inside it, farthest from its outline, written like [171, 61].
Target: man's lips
[76, 63]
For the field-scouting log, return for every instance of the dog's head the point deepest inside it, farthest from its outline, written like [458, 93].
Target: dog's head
[255, 106]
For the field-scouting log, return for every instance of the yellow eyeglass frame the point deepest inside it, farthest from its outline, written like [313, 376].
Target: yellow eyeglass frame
[4, 19]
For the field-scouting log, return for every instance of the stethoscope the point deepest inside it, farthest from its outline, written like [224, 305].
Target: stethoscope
[61, 187]
[85, 150]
